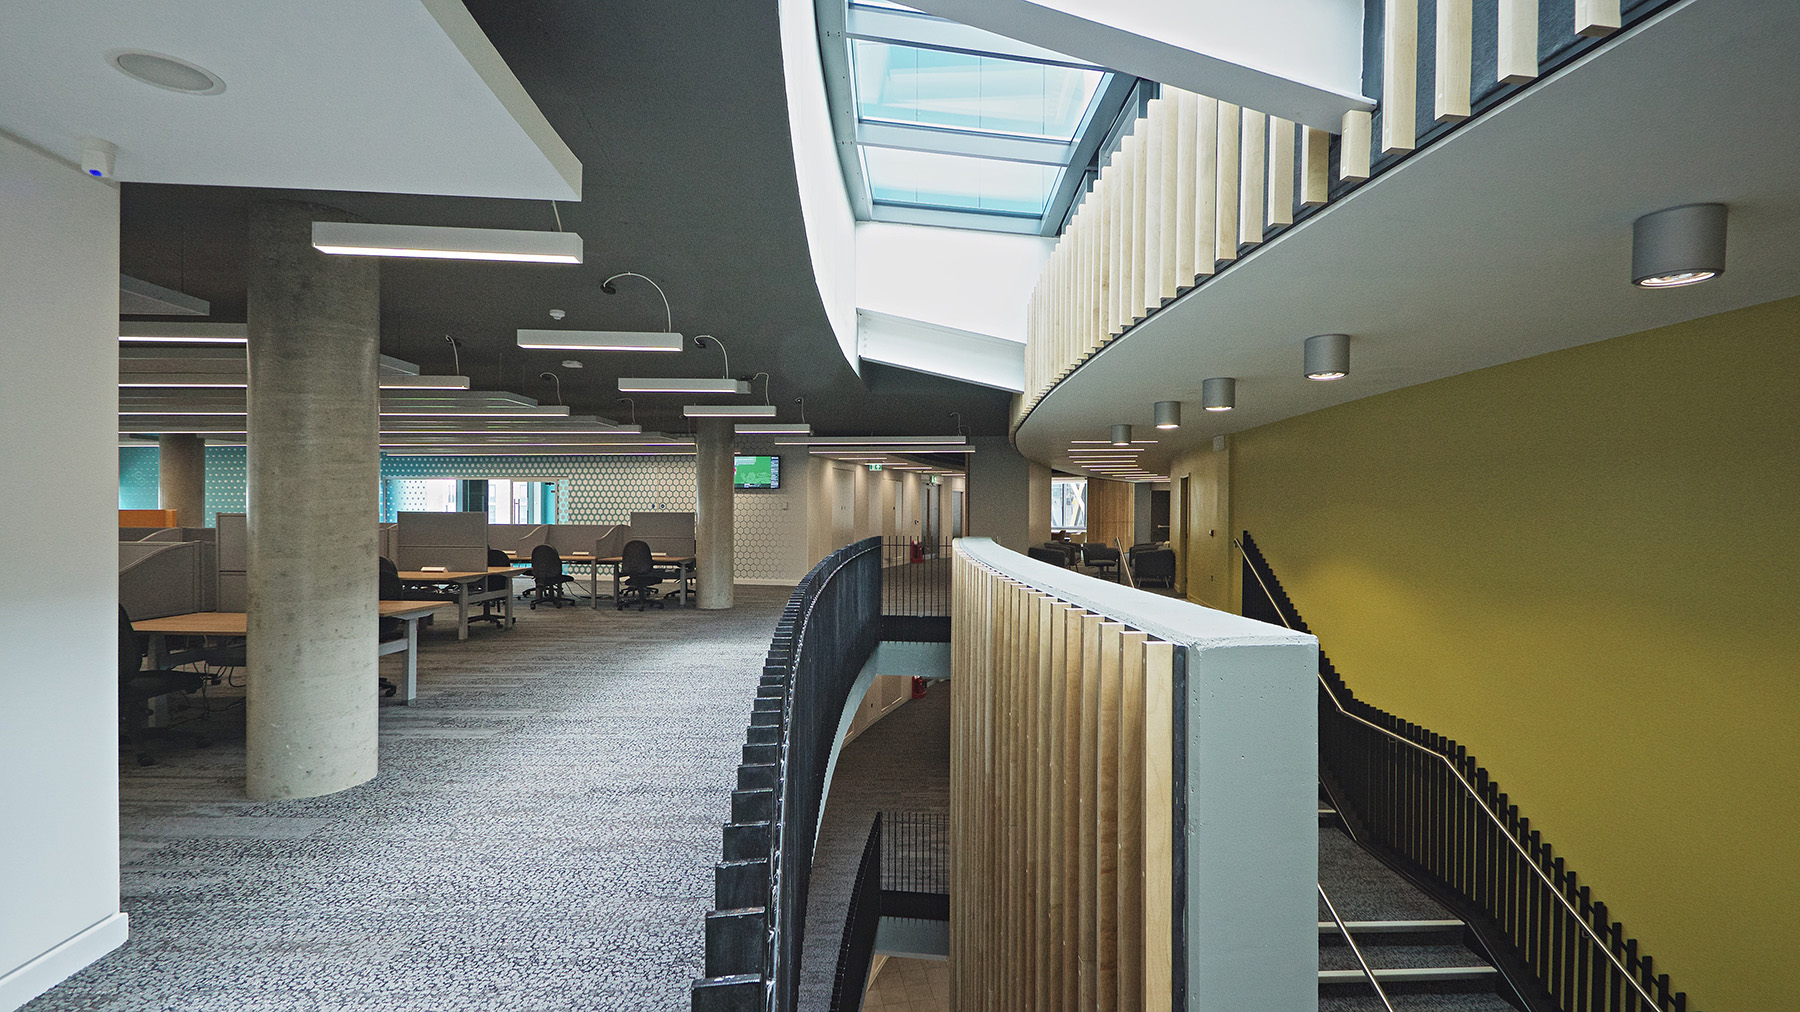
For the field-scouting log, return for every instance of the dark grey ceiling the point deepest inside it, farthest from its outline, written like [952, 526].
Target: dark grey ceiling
[677, 112]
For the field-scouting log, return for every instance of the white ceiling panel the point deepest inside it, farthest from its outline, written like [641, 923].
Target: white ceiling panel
[393, 96]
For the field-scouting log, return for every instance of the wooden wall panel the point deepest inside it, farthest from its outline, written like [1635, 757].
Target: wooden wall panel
[1136, 227]
[1168, 229]
[1061, 805]
[1281, 172]
[1315, 167]
[1516, 60]
[1151, 196]
[1111, 513]
[1454, 55]
[1596, 18]
[1206, 186]
[1253, 155]
[1187, 106]
[1230, 135]
[1353, 147]
[1399, 76]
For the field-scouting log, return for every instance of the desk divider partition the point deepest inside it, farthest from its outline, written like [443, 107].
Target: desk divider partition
[233, 562]
[665, 533]
[166, 578]
[456, 541]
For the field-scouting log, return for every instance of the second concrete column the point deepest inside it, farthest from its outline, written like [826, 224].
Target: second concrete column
[181, 475]
[713, 521]
[313, 476]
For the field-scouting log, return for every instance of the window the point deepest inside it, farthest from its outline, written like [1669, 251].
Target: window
[956, 126]
[1068, 504]
[505, 501]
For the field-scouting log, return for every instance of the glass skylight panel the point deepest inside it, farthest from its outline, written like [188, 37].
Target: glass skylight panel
[898, 176]
[964, 91]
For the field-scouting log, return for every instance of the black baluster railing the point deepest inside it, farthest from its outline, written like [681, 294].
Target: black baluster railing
[1428, 807]
[826, 633]
[857, 950]
[915, 591]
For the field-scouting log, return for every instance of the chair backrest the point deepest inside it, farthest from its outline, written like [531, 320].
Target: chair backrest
[635, 560]
[1050, 555]
[390, 582]
[496, 557]
[546, 561]
[131, 647]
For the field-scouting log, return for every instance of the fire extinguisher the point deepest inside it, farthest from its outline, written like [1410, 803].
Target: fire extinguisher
[918, 551]
[918, 687]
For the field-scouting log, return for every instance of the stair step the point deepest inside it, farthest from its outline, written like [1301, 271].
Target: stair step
[1390, 927]
[1411, 975]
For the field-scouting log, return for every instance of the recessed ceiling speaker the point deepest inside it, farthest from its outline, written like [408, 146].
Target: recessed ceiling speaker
[1680, 246]
[1218, 393]
[1328, 356]
[160, 70]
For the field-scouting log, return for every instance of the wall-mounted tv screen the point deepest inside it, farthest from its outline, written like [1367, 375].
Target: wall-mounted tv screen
[757, 472]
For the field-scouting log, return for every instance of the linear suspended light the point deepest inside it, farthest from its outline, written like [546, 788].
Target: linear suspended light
[203, 381]
[438, 242]
[683, 385]
[134, 332]
[729, 411]
[773, 429]
[873, 440]
[425, 383]
[600, 340]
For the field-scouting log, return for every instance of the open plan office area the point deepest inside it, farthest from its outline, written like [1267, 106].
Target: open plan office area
[837, 504]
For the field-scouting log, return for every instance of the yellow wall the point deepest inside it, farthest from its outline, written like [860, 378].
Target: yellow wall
[1584, 567]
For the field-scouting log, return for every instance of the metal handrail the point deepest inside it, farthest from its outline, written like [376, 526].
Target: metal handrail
[1125, 563]
[1355, 949]
[1604, 944]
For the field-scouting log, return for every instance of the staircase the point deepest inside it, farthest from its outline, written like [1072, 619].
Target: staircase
[1424, 957]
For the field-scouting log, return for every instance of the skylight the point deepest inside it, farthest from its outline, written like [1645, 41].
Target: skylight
[956, 126]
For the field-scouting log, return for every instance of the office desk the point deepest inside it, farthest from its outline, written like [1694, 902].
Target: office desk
[578, 558]
[466, 594]
[685, 563]
[236, 623]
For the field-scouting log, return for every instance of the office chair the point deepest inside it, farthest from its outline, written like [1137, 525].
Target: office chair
[641, 577]
[137, 688]
[546, 570]
[1054, 556]
[495, 557]
[389, 629]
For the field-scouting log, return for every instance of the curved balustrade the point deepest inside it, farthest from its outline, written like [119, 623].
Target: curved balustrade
[1120, 763]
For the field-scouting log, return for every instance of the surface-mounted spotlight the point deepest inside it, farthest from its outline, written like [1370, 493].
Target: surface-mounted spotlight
[1680, 246]
[1328, 357]
[1218, 393]
[1121, 435]
[1168, 414]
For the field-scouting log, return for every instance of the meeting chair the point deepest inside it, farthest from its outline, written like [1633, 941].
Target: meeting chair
[638, 567]
[1054, 556]
[1102, 557]
[138, 687]
[547, 572]
[495, 610]
[389, 629]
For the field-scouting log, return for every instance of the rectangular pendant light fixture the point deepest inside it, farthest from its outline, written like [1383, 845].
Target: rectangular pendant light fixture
[133, 332]
[438, 242]
[773, 429]
[683, 385]
[599, 340]
[729, 411]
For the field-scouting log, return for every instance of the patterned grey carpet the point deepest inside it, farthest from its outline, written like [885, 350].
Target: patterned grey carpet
[540, 837]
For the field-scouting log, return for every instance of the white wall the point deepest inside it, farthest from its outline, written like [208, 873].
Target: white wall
[771, 528]
[59, 365]
[973, 281]
[824, 203]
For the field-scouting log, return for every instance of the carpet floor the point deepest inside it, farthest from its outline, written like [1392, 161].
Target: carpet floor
[541, 834]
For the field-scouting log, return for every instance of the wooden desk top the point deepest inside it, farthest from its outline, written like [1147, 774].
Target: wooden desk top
[617, 559]
[236, 623]
[566, 557]
[425, 576]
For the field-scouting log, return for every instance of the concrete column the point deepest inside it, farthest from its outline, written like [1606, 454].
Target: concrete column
[713, 512]
[181, 472]
[313, 475]
[1009, 496]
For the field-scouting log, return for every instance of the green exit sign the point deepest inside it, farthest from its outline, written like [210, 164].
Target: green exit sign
[874, 467]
